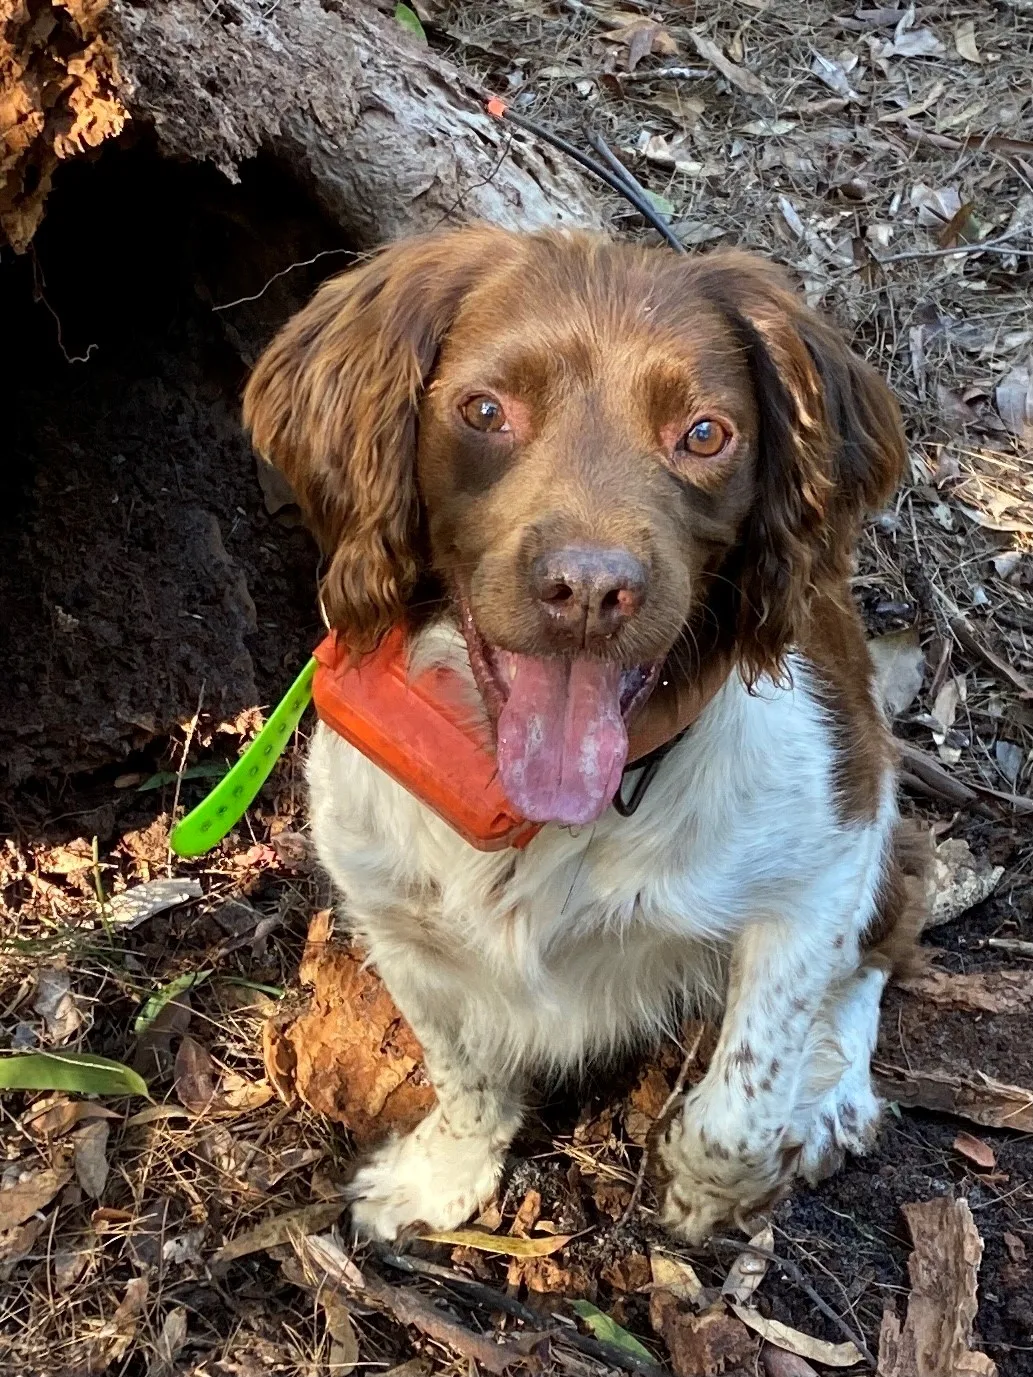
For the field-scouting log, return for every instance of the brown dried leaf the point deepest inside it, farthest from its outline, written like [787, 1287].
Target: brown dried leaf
[91, 1160]
[349, 1054]
[628, 1273]
[53, 1116]
[976, 1150]
[544, 1276]
[280, 1228]
[195, 1076]
[645, 1104]
[527, 1215]
[708, 1344]
[116, 1337]
[978, 1098]
[17, 1244]
[29, 1192]
[941, 1308]
[776, 1362]
[1015, 1246]
[171, 1339]
[740, 77]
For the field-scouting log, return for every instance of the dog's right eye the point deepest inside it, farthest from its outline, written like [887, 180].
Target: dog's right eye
[484, 412]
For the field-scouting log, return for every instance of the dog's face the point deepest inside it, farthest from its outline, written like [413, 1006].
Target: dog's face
[611, 457]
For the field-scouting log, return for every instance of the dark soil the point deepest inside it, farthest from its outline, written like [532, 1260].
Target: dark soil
[142, 575]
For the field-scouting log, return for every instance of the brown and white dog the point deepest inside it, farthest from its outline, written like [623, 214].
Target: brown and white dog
[614, 488]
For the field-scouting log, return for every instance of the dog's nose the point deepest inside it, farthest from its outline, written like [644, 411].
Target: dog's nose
[588, 590]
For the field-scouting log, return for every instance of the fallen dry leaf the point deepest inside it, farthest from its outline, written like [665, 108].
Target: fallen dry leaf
[171, 1339]
[55, 1004]
[53, 1116]
[975, 1150]
[979, 1098]
[899, 669]
[1014, 398]
[16, 1244]
[527, 1215]
[116, 1337]
[794, 1341]
[349, 1054]
[642, 37]
[91, 1159]
[958, 881]
[675, 1276]
[776, 1362]
[937, 1333]
[503, 1244]
[25, 1193]
[740, 77]
[645, 1104]
[195, 1074]
[1015, 1246]
[344, 1343]
[747, 1271]
[965, 42]
[279, 1228]
[544, 1276]
[136, 905]
[630, 1272]
[705, 1345]
[989, 992]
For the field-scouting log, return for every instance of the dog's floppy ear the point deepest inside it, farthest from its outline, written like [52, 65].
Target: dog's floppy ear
[334, 400]
[831, 447]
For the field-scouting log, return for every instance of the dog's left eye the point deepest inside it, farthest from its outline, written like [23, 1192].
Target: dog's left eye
[705, 439]
[483, 412]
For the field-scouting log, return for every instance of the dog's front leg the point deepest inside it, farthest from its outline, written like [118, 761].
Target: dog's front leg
[730, 1147]
[449, 1165]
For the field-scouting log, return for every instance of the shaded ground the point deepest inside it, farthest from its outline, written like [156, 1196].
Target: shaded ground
[151, 602]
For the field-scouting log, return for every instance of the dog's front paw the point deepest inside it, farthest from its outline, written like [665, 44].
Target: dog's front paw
[430, 1177]
[845, 1120]
[704, 1183]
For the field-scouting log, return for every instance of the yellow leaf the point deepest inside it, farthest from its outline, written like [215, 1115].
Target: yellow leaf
[793, 1341]
[499, 1243]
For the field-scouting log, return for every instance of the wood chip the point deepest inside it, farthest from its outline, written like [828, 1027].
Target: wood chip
[978, 1098]
[975, 1150]
[988, 992]
[937, 1333]
[141, 902]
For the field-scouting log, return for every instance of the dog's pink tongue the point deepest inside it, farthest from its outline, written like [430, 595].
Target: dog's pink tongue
[562, 743]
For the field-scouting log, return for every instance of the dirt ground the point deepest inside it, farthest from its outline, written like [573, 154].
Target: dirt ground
[156, 599]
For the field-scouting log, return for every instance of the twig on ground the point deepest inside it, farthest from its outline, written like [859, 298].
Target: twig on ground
[487, 1298]
[795, 1275]
[673, 1097]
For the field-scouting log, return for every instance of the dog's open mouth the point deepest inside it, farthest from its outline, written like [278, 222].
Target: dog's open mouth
[561, 726]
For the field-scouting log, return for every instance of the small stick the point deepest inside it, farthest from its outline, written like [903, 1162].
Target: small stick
[182, 766]
[673, 1097]
[794, 1274]
[487, 1298]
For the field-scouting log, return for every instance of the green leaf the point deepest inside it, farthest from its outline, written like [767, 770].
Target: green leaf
[208, 769]
[277, 991]
[78, 1071]
[410, 20]
[660, 204]
[609, 1331]
[153, 1007]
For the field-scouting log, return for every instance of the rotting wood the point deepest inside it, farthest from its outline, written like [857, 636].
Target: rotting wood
[389, 138]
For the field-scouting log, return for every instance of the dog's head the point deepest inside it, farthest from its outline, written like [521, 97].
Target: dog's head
[611, 458]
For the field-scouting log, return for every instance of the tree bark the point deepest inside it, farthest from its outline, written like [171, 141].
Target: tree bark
[388, 137]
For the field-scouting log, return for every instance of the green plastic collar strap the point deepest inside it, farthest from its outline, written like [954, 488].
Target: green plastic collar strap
[234, 794]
